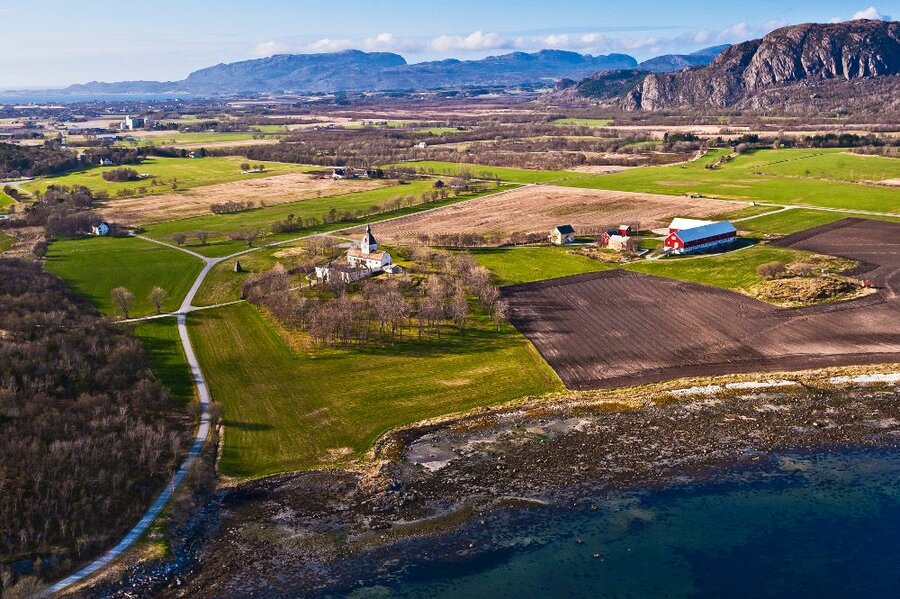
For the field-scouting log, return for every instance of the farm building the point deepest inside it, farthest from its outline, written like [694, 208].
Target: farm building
[698, 239]
[687, 223]
[344, 273]
[562, 235]
[100, 229]
[621, 243]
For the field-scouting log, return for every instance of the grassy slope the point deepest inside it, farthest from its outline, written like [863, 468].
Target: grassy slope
[221, 224]
[188, 171]
[526, 264]
[287, 411]
[5, 200]
[6, 241]
[794, 220]
[766, 175]
[95, 266]
[735, 270]
[160, 339]
[515, 175]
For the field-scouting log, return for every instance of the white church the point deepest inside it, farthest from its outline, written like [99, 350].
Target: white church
[363, 261]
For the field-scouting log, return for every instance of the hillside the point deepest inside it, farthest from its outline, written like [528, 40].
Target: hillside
[354, 70]
[829, 66]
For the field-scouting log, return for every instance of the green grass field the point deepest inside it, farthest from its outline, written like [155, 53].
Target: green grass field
[511, 266]
[5, 200]
[288, 411]
[514, 175]
[219, 225]
[199, 138]
[6, 241]
[766, 175]
[798, 219]
[583, 122]
[734, 270]
[222, 284]
[189, 173]
[160, 339]
[95, 266]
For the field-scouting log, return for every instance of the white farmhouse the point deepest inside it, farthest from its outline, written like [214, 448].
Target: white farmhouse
[100, 229]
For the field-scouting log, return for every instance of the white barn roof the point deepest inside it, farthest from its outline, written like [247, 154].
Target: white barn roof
[688, 223]
[706, 231]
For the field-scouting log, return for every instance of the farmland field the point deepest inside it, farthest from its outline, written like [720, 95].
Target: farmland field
[776, 176]
[510, 266]
[583, 122]
[797, 219]
[175, 138]
[653, 329]
[280, 189]
[95, 266]
[161, 341]
[188, 172]
[219, 225]
[513, 175]
[537, 209]
[287, 410]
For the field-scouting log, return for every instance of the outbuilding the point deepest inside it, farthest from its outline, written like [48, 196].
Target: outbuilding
[562, 235]
[698, 239]
[679, 224]
[100, 229]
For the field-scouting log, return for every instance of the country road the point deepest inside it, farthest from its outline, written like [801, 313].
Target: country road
[202, 393]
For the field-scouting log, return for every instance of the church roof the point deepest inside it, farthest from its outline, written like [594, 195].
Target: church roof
[369, 238]
[358, 253]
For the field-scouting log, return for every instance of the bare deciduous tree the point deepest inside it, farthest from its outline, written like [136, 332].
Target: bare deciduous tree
[158, 297]
[123, 300]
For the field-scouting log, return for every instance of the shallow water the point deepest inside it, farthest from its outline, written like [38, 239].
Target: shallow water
[824, 525]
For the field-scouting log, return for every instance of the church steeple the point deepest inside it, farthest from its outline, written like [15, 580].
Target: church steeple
[369, 244]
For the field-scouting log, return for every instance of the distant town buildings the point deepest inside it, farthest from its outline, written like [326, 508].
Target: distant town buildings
[131, 123]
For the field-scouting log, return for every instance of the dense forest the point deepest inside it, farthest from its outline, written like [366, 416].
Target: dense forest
[31, 161]
[88, 435]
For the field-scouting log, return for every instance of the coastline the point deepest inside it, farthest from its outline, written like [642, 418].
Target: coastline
[437, 477]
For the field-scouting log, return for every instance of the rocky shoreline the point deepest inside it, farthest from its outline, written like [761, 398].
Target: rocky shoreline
[309, 533]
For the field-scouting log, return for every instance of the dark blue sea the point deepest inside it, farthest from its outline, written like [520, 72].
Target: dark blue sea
[824, 525]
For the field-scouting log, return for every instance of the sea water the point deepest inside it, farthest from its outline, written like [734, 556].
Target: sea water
[822, 525]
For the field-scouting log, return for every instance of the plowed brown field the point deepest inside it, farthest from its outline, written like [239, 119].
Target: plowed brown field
[194, 202]
[620, 328]
[538, 208]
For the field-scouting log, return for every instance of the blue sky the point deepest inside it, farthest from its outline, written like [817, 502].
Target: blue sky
[49, 43]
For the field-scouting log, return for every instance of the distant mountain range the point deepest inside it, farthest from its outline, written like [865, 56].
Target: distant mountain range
[855, 64]
[355, 70]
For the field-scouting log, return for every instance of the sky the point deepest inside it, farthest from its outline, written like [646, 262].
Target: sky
[53, 43]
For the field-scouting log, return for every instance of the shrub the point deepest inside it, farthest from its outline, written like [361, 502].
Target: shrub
[771, 270]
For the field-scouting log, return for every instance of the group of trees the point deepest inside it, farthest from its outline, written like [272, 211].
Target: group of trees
[418, 305]
[61, 211]
[88, 434]
[32, 161]
[121, 174]
[123, 299]
[231, 207]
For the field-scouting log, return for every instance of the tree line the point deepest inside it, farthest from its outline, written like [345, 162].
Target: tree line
[88, 434]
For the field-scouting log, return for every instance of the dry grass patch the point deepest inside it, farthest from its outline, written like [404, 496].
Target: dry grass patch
[539, 208]
[281, 189]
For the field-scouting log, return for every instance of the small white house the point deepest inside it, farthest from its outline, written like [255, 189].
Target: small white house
[100, 229]
[562, 235]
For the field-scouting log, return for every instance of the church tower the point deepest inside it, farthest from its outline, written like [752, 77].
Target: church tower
[369, 244]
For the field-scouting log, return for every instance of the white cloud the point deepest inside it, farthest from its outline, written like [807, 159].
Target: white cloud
[388, 42]
[328, 45]
[870, 13]
[477, 40]
[269, 48]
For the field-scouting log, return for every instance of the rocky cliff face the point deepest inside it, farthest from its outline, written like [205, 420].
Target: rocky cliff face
[806, 53]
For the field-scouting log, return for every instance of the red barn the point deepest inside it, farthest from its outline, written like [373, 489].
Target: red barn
[686, 241]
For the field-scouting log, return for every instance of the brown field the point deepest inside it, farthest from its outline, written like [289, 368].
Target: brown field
[535, 209]
[272, 190]
[620, 328]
